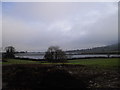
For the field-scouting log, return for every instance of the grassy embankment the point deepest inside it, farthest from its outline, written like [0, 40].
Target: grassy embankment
[99, 62]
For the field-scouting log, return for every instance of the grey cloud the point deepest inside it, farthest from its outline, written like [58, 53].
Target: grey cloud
[36, 26]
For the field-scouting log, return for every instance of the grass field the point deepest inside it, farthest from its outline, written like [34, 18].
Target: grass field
[99, 62]
[106, 62]
[18, 61]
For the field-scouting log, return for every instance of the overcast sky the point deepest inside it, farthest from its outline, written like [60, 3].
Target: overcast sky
[36, 26]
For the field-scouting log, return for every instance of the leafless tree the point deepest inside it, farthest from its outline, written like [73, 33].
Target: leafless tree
[10, 51]
[55, 54]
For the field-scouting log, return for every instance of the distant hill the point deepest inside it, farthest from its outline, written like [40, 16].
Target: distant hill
[113, 49]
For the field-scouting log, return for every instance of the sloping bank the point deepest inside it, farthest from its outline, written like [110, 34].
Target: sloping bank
[33, 76]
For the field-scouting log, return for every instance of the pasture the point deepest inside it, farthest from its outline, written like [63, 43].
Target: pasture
[98, 62]
[93, 62]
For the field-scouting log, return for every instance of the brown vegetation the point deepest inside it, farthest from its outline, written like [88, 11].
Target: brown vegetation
[32, 76]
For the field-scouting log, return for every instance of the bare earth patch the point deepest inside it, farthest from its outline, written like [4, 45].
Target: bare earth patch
[32, 76]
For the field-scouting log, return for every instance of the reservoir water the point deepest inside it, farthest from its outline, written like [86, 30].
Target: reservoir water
[41, 56]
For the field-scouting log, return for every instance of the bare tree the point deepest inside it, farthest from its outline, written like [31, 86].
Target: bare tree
[55, 54]
[10, 51]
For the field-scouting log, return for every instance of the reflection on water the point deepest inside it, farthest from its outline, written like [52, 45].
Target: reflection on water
[41, 56]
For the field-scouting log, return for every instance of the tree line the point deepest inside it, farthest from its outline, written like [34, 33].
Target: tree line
[53, 54]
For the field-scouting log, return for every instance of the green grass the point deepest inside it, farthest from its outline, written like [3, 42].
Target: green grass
[18, 61]
[97, 62]
[100, 62]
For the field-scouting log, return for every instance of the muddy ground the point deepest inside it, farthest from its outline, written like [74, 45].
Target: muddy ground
[32, 76]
